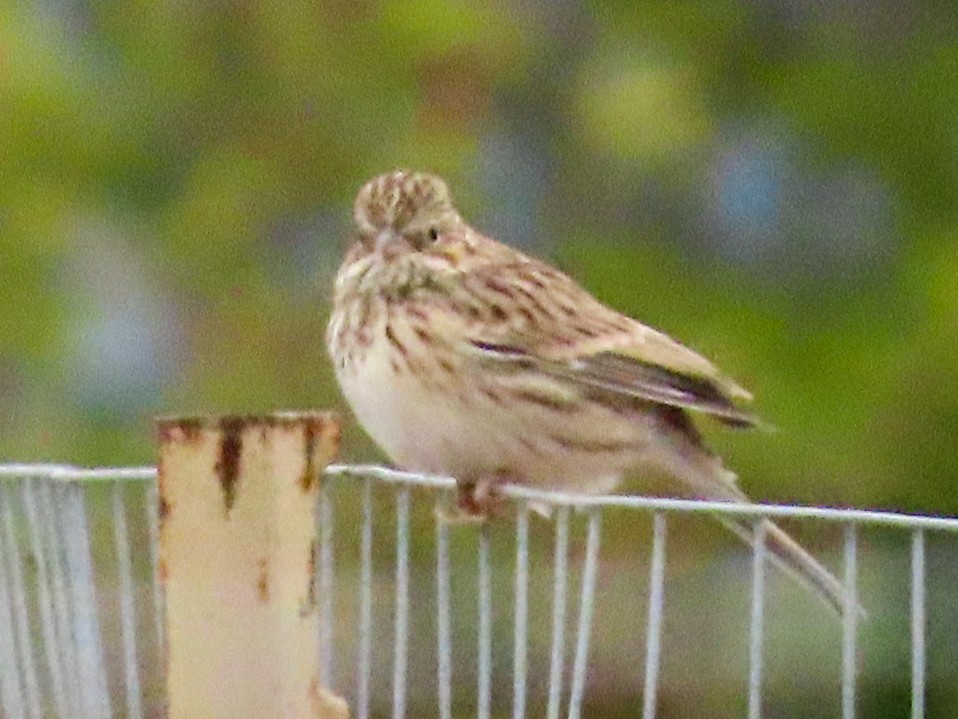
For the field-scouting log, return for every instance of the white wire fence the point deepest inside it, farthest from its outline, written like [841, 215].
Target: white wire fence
[81, 606]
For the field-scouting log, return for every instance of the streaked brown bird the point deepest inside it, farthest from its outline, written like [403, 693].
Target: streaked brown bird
[462, 356]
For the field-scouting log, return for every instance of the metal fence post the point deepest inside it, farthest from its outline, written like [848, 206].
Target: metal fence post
[237, 542]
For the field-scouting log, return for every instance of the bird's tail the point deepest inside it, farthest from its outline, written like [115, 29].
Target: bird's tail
[790, 557]
[708, 479]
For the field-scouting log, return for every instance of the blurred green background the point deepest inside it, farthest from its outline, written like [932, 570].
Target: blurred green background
[773, 182]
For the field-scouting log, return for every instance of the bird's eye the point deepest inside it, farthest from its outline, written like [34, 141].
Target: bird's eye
[433, 234]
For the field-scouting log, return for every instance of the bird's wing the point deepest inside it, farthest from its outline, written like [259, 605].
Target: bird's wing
[564, 332]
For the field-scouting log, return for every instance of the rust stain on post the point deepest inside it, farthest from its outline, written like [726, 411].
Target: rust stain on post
[231, 446]
[310, 605]
[239, 641]
[188, 427]
[323, 437]
[263, 584]
[308, 479]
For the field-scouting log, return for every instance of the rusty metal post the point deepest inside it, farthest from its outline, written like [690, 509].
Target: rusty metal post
[237, 540]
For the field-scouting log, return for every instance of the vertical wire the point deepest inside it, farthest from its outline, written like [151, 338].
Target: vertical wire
[521, 633]
[443, 606]
[918, 614]
[401, 641]
[850, 623]
[559, 594]
[585, 615]
[49, 521]
[75, 538]
[653, 642]
[756, 628]
[53, 644]
[21, 613]
[12, 700]
[326, 578]
[365, 602]
[485, 625]
[121, 538]
[153, 525]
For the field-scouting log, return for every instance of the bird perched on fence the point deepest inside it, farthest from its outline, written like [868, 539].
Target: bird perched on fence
[462, 356]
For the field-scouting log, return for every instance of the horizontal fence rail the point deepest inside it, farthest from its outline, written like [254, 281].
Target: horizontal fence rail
[81, 605]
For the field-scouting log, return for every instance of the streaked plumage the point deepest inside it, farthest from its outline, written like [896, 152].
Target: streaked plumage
[463, 356]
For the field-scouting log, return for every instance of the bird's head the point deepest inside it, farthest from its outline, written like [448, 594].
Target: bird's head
[402, 212]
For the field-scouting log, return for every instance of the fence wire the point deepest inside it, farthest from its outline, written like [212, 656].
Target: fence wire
[81, 606]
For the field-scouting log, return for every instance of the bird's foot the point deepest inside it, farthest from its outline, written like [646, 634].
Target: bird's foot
[475, 503]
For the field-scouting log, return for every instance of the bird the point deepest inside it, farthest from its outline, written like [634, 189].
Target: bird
[462, 356]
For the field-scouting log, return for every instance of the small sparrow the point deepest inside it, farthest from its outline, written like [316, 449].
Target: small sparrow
[462, 356]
